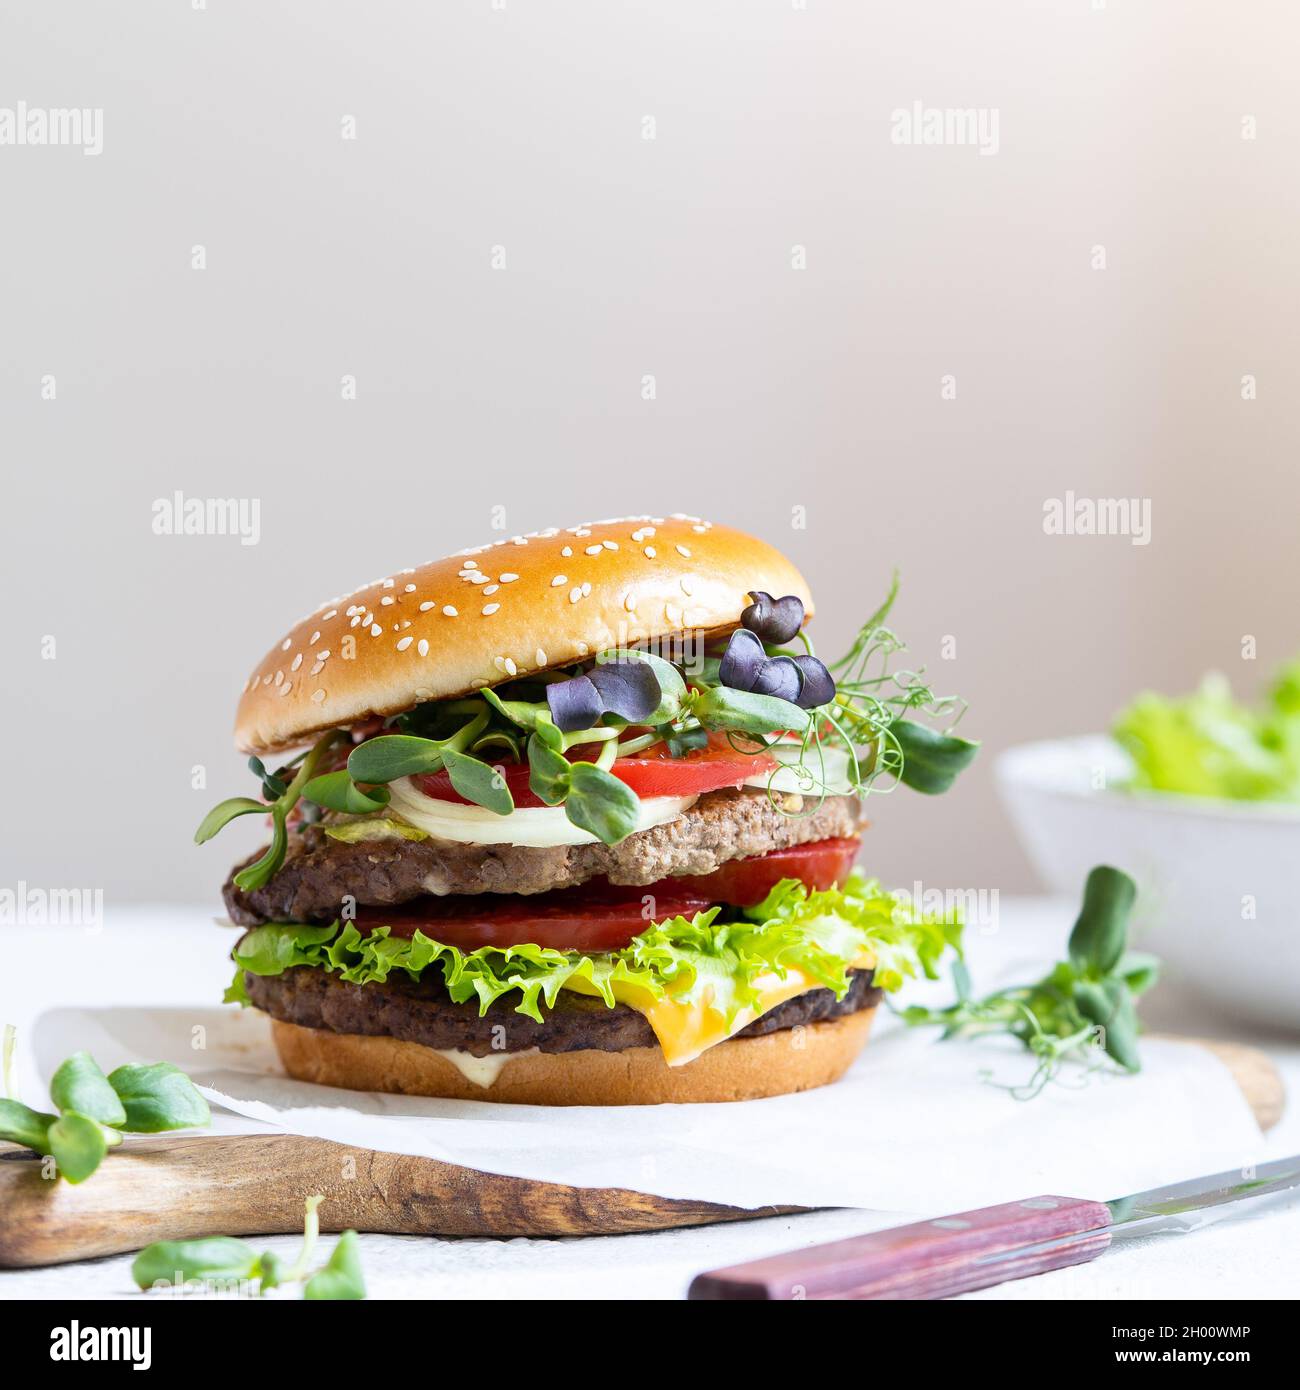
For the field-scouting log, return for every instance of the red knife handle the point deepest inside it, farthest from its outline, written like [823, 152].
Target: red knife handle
[928, 1259]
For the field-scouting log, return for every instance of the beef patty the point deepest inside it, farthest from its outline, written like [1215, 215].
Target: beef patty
[423, 1012]
[320, 872]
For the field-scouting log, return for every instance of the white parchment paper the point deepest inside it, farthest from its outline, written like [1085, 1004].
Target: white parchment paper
[917, 1126]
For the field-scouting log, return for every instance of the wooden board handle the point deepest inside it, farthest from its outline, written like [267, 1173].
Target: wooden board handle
[928, 1259]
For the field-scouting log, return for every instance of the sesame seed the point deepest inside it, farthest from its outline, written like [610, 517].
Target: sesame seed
[500, 663]
[583, 649]
[594, 549]
[286, 644]
[388, 583]
[586, 589]
[333, 613]
[508, 578]
[471, 564]
[650, 552]
[699, 530]
[449, 611]
[318, 696]
[541, 657]
[491, 589]
[355, 621]
[610, 545]
[387, 599]
[582, 531]
[409, 588]
[317, 668]
[511, 667]
[323, 656]
[567, 551]
[375, 629]
[681, 550]
[266, 679]
[489, 609]
[314, 638]
[575, 595]
[558, 580]
[286, 687]
[422, 647]
[279, 678]
[403, 643]
[426, 605]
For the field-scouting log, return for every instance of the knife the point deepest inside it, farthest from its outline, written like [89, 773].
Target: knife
[976, 1249]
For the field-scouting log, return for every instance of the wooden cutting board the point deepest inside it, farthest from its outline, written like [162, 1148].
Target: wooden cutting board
[178, 1189]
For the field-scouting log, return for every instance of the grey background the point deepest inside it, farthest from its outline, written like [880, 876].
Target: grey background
[521, 127]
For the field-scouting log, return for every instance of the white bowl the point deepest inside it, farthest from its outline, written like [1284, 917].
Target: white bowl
[1219, 881]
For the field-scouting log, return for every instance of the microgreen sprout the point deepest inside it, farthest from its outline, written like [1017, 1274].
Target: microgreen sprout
[223, 1262]
[1083, 1010]
[94, 1109]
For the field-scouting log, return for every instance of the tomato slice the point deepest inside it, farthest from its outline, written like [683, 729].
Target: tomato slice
[656, 773]
[744, 882]
[602, 916]
[596, 916]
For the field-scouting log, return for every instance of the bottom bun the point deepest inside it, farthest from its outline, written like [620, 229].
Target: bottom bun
[772, 1064]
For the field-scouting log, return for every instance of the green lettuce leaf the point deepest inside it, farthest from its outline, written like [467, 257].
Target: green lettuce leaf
[1206, 744]
[692, 959]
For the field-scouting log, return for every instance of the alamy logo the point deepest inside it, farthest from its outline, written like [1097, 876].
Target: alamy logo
[976, 908]
[1099, 516]
[77, 1343]
[42, 125]
[179, 515]
[25, 906]
[919, 124]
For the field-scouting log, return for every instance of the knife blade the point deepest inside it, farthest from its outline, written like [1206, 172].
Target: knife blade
[948, 1255]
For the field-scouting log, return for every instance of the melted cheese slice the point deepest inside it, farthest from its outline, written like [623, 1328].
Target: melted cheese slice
[685, 1029]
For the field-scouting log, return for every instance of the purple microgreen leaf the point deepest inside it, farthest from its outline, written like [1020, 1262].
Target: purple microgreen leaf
[629, 689]
[779, 676]
[574, 704]
[818, 684]
[773, 620]
[742, 660]
[758, 612]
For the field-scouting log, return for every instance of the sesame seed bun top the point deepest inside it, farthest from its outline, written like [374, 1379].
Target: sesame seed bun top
[486, 615]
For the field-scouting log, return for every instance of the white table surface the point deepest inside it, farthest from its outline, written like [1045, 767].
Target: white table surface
[1255, 1254]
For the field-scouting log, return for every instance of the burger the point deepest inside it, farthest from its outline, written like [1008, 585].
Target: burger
[571, 819]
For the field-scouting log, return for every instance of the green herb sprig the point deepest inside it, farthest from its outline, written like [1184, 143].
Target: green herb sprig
[873, 719]
[225, 1262]
[282, 797]
[94, 1110]
[1084, 1006]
